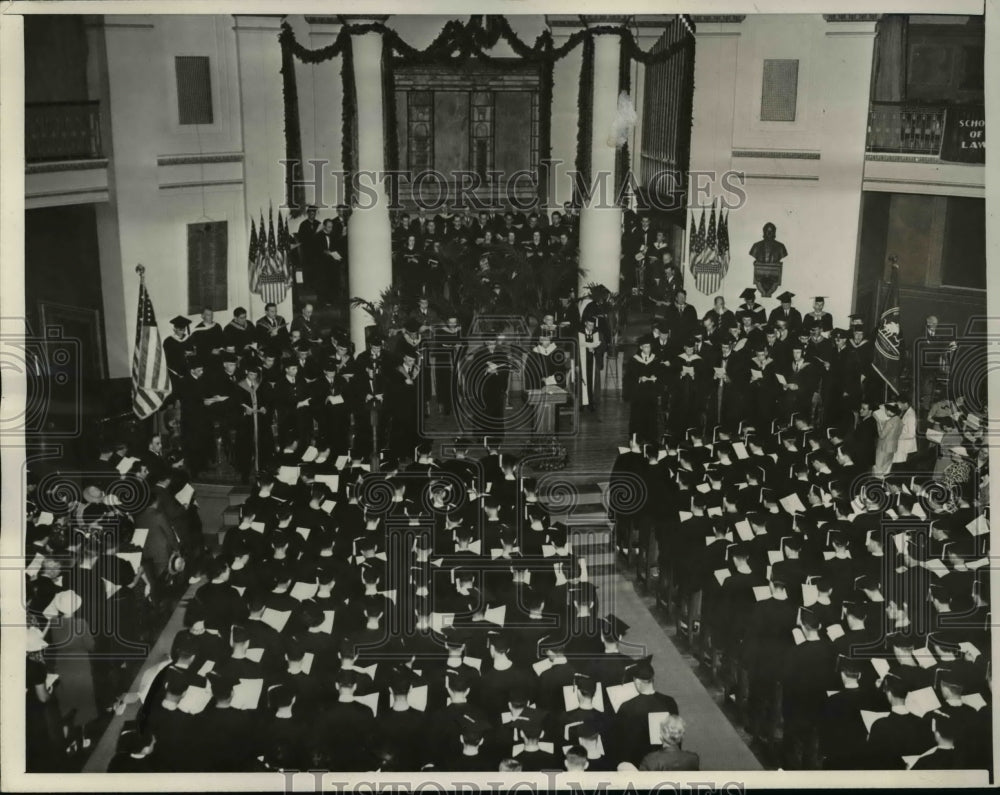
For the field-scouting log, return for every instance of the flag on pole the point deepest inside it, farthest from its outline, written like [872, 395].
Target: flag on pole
[150, 379]
[693, 240]
[252, 259]
[888, 345]
[271, 254]
[724, 236]
[711, 264]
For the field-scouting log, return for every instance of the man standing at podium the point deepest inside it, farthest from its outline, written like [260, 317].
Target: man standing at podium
[545, 366]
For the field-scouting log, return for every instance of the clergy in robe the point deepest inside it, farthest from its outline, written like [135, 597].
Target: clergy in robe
[484, 382]
[448, 347]
[545, 364]
[592, 347]
[644, 376]
[403, 402]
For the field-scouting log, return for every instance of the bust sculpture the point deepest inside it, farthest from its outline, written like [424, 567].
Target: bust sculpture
[769, 250]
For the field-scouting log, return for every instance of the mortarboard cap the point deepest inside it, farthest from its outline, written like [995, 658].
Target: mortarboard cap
[786, 297]
[642, 670]
[749, 294]
[613, 627]
[809, 619]
[180, 322]
[586, 729]
[819, 298]
[839, 333]
[851, 667]
[955, 678]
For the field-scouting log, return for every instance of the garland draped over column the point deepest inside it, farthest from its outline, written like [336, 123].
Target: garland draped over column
[457, 42]
[584, 120]
[294, 189]
[349, 120]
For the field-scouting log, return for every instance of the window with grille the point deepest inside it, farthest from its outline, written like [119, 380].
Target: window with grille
[779, 94]
[208, 244]
[194, 89]
[420, 132]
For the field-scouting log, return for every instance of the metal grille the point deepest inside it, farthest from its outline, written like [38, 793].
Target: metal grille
[779, 94]
[194, 89]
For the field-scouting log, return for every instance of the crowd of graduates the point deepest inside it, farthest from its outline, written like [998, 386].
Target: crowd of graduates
[820, 543]
[823, 548]
[429, 615]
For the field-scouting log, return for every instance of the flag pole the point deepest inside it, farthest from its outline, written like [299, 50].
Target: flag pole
[150, 422]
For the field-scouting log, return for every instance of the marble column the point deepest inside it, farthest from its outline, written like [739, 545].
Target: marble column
[600, 219]
[368, 229]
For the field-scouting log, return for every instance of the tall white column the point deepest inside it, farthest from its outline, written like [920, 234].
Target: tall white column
[600, 220]
[368, 231]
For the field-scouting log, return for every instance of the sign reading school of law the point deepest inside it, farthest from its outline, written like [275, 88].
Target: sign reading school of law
[964, 138]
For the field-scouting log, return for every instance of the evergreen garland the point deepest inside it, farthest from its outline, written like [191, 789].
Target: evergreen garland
[349, 122]
[585, 120]
[456, 43]
[294, 189]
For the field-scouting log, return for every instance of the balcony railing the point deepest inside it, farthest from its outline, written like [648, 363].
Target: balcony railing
[905, 128]
[62, 131]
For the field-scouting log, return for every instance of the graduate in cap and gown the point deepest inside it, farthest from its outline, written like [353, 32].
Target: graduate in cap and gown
[787, 313]
[177, 348]
[752, 308]
[818, 317]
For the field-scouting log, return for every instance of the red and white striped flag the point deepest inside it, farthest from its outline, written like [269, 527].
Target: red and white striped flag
[150, 379]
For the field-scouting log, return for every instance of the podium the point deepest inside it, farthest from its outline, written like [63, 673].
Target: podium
[544, 403]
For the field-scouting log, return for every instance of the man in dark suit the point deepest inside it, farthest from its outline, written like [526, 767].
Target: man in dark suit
[328, 260]
[681, 317]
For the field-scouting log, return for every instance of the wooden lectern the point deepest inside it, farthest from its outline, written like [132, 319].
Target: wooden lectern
[544, 403]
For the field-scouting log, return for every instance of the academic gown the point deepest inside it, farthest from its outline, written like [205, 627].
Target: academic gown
[642, 387]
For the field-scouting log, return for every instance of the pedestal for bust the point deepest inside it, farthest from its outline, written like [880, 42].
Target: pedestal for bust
[766, 277]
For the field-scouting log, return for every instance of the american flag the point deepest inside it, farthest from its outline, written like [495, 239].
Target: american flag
[724, 236]
[150, 379]
[710, 265]
[693, 246]
[252, 258]
[269, 268]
